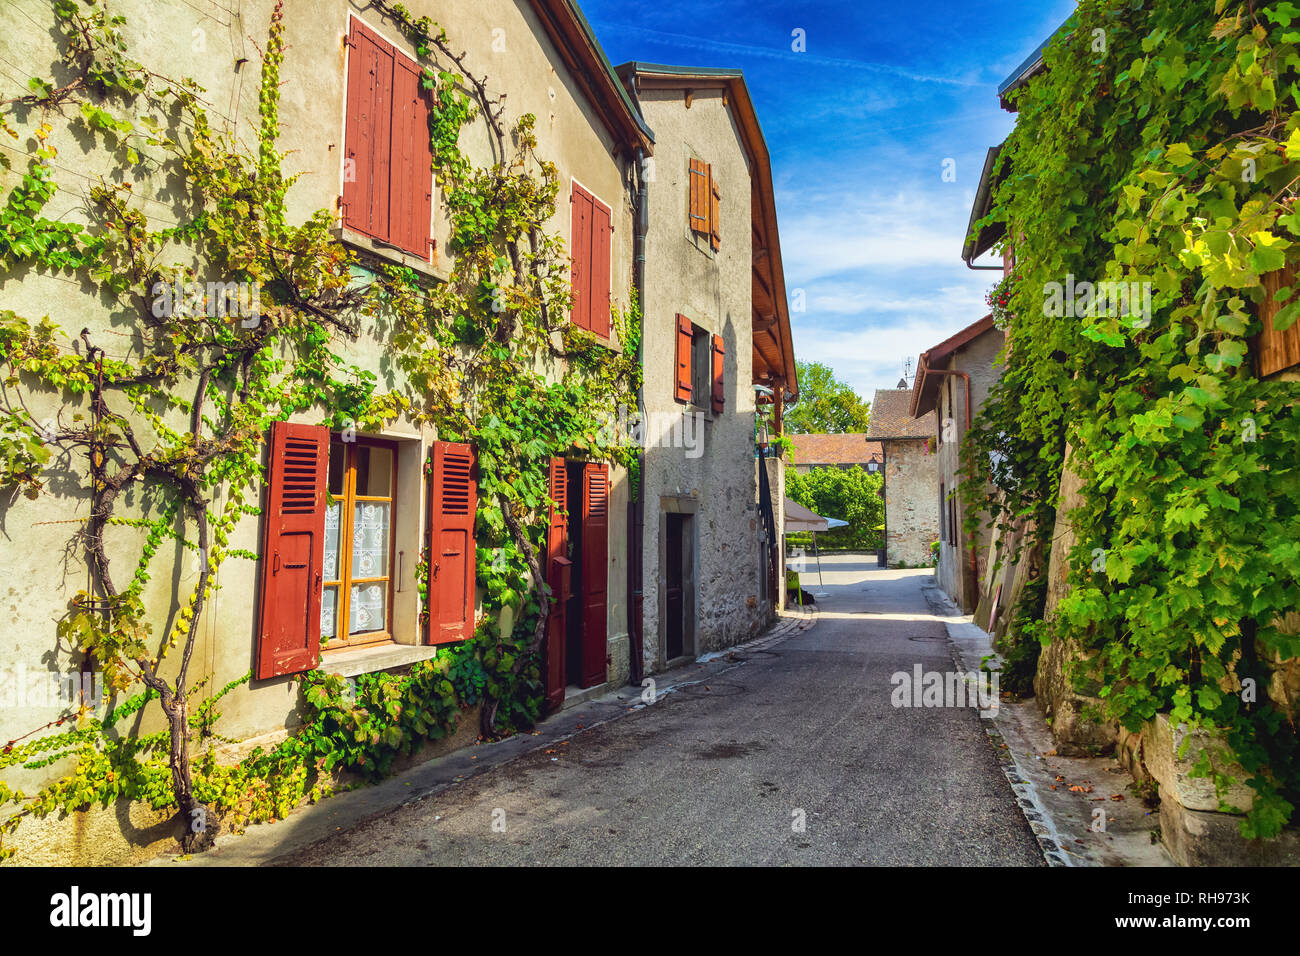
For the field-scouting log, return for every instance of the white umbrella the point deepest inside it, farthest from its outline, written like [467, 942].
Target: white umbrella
[799, 518]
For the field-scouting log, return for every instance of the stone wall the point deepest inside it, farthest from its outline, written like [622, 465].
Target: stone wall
[911, 501]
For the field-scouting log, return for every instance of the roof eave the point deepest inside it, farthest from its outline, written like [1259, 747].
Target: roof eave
[569, 30]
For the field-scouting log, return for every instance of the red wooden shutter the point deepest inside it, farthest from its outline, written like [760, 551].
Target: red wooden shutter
[595, 572]
[452, 509]
[684, 332]
[719, 381]
[580, 249]
[600, 236]
[699, 213]
[715, 200]
[411, 196]
[293, 550]
[557, 556]
[368, 132]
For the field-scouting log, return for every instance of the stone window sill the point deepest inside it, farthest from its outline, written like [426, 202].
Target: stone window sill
[354, 661]
[373, 249]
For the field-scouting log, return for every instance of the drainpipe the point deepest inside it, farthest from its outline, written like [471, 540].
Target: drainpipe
[973, 571]
[636, 526]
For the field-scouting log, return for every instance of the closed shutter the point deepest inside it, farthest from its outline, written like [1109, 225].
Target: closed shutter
[292, 550]
[715, 201]
[581, 251]
[368, 133]
[1276, 351]
[683, 385]
[595, 572]
[600, 236]
[453, 504]
[719, 369]
[557, 554]
[412, 189]
[699, 211]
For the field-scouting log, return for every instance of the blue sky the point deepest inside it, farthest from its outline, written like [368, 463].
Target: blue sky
[859, 127]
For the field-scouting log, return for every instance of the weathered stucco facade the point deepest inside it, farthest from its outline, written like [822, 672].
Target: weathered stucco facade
[514, 46]
[703, 563]
[965, 360]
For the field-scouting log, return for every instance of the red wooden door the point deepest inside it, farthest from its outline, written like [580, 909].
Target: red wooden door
[293, 549]
[557, 551]
[452, 508]
[595, 571]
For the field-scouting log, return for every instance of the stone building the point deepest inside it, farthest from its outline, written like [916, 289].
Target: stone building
[851, 450]
[911, 476]
[952, 382]
[716, 326]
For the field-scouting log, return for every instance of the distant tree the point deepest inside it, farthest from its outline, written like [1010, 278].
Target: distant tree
[850, 494]
[826, 405]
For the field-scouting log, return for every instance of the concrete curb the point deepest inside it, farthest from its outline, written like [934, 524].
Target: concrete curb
[1059, 818]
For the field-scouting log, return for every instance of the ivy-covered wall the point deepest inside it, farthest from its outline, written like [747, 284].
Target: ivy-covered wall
[1159, 147]
[132, 440]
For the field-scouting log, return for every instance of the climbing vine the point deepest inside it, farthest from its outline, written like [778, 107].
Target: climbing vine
[171, 432]
[1161, 147]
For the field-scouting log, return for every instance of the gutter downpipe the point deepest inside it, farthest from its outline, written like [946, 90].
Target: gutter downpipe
[973, 571]
[636, 530]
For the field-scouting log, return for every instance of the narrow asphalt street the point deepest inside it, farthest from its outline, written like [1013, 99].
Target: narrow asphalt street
[722, 772]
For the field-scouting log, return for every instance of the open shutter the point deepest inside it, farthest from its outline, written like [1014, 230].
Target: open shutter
[580, 249]
[683, 384]
[699, 213]
[715, 201]
[1276, 351]
[719, 381]
[600, 236]
[452, 508]
[557, 577]
[293, 547]
[595, 571]
[368, 132]
[412, 190]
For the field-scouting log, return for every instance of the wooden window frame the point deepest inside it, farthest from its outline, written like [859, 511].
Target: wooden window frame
[344, 583]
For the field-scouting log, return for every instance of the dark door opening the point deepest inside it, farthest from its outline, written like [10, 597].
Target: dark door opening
[673, 588]
[573, 608]
[679, 587]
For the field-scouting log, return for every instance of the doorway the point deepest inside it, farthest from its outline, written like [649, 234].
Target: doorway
[679, 586]
[577, 557]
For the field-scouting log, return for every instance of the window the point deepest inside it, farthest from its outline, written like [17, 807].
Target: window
[356, 597]
[701, 367]
[589, 246]
[705, 204]
[701, 359]
[388, 158]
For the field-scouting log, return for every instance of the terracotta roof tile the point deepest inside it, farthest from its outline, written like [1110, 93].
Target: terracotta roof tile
[849, 449]
[892, 419]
